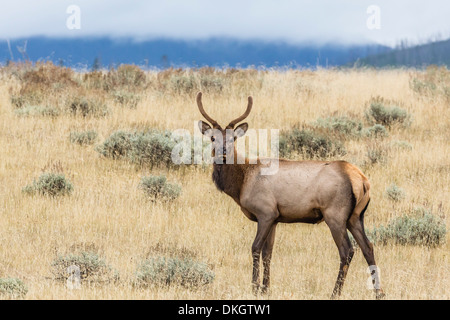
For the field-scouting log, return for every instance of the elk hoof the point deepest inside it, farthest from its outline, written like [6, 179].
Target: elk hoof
[334, 296]
[255, 289]
[379, 295]
[265, 290]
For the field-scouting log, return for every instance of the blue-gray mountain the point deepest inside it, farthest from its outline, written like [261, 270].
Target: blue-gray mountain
[162, 53]
[437, 53]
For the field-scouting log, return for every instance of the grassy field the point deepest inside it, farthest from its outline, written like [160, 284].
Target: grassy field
[109, 214]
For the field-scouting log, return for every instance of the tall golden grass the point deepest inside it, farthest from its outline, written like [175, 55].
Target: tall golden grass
[109, 212]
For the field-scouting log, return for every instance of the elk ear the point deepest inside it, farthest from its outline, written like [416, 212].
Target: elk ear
[240, 130]
[204, 127]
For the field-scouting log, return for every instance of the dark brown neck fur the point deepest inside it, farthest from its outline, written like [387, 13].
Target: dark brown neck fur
[229, 179]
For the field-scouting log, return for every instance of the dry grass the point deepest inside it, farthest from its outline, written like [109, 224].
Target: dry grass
[108, 211]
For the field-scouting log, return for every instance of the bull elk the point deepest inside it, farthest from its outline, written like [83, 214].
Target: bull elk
[336, 192]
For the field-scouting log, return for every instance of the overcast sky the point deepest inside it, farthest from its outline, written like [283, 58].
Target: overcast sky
[292, 21]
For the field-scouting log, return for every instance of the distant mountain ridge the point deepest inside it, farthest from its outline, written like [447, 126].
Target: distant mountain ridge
[163, 53]
[437, 53]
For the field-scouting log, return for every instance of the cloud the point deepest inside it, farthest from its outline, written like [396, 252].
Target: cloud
[292, 21]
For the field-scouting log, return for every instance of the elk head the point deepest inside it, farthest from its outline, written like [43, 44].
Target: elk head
[222, 139]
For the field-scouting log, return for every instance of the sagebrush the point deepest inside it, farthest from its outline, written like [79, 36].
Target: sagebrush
[51, 184]
[93, 268]
[420, 227]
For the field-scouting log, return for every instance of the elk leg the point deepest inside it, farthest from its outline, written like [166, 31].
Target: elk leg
[266, 257]
[346, 253]
[264, 228]
[340, 236]
[356, 227]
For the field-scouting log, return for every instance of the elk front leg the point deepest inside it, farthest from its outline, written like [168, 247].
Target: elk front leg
[266, 257]
[264, 228]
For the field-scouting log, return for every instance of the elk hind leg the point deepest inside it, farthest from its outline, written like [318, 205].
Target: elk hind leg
[356, 227]
[346, 253]
[337, 225]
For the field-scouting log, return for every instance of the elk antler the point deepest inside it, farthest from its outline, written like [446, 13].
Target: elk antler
[245, 115]
[203, 112]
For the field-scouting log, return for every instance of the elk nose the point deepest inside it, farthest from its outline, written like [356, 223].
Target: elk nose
[224, 150]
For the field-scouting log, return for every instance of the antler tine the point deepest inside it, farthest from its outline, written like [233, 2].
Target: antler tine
[245, 115]
[202, 110]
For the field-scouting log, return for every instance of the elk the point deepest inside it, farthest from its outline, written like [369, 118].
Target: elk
[336, 192]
